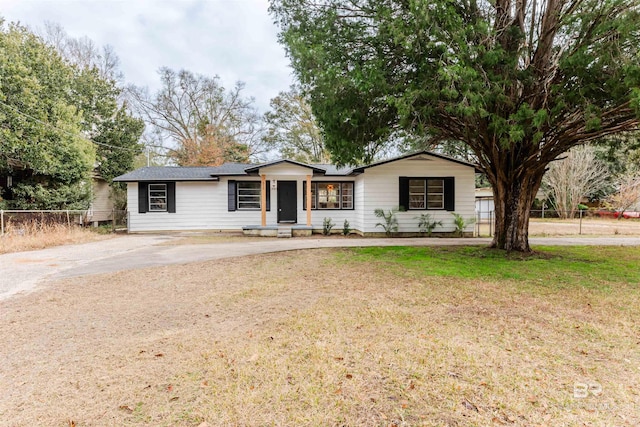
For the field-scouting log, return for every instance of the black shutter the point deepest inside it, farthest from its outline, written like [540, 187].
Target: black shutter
[231, 194]
[403, 204]
[267, 188]
[143, 197]
[171, 197]
[304, 195]
[449, 193]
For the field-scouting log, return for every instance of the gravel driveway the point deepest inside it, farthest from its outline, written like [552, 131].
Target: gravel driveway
[24, 271]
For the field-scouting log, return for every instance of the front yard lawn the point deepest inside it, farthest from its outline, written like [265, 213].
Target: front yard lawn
[398, 336]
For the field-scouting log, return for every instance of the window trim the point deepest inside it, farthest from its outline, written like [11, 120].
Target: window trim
[165, 197]
[144, 197]
[232, 196]
[314, 194]
[238, 195]
[428, 193]
[448, 193]
[423, 193]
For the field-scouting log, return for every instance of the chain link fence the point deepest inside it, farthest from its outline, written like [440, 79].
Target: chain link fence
[33, 221]
[549, 222]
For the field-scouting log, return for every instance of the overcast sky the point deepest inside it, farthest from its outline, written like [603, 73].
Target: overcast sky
[235, 39]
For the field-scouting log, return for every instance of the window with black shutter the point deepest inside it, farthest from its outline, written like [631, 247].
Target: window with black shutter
[432, 193]
[246, 195]
[156, 197]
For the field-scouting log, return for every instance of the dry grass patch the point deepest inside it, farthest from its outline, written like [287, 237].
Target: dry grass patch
[28, 237]
[590, 227]
[322, 337]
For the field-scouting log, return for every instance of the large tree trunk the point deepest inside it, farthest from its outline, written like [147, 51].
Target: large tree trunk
[513, 193]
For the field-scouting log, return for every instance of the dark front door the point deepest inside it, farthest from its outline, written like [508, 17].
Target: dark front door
[287, 203]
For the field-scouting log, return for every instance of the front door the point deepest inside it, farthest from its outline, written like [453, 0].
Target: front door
[287, 203]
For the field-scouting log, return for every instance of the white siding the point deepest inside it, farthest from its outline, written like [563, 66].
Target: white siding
[203, 205]
[199, 206]
[382, 191]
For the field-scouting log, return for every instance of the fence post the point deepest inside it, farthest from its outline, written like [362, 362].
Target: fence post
[113, 220]
[580, 230]
[1, 222]
[490, 223]
[68, 220]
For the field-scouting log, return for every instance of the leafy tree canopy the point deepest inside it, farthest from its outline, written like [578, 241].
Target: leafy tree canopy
[106, 118]
[50, 108]
[519, 81]
[39, 127]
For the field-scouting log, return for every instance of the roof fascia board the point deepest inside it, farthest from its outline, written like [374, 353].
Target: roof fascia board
[361, 169]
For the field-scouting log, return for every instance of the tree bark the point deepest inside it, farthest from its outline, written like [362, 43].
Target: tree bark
[513, 193]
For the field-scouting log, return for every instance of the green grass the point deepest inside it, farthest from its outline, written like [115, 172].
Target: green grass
[555, 267]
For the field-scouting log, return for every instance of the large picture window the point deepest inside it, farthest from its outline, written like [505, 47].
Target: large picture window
[427, 193]
[249, 195]
[330, 195]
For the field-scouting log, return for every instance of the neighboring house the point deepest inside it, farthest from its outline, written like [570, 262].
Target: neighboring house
[484, 204]
[260, 198]
[101, 207]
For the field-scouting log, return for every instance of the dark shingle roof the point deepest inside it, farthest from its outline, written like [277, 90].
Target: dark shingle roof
[334, 170]
[212, 173]
[174, 173]
[256, 168]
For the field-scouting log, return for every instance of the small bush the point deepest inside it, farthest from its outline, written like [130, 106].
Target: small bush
[461, 223]
[390, 224]
[426, 225]
[327, 226]
[346, 228]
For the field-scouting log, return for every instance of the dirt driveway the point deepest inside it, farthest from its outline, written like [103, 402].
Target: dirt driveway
[24, 271]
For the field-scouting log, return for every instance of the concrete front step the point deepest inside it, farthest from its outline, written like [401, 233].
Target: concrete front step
[297, 230]
[284, 231]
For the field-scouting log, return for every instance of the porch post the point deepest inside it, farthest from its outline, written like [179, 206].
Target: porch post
[308, 190]
[263, 201]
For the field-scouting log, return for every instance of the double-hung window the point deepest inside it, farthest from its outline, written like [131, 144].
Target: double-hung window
[246, 196]
[330, 195]
[427, 193]
[435, 193]
[249, 195]
[417, 193]
[157, 197]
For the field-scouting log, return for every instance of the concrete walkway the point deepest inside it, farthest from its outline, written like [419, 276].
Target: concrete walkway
[24, 271]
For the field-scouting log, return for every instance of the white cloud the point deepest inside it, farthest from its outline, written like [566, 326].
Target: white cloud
[235, 39]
